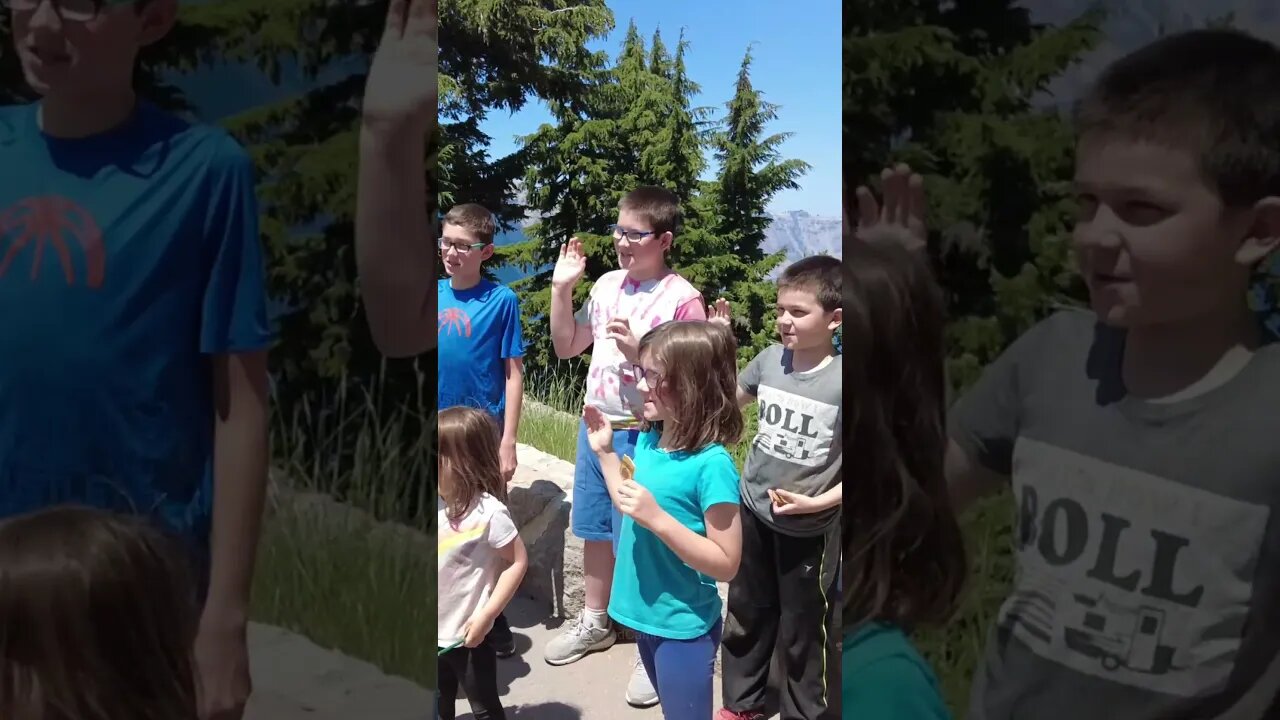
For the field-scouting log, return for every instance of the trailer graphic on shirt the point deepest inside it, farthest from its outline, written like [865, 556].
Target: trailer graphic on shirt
[1121, 637]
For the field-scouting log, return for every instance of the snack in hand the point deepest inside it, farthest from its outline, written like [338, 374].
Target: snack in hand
[628, 469]
[778, 499]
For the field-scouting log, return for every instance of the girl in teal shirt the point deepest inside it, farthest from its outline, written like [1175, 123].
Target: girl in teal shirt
[680, 533]
[904, 558]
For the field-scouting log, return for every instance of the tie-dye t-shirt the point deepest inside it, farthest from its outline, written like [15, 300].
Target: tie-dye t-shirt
[611, 380]
[468, 563]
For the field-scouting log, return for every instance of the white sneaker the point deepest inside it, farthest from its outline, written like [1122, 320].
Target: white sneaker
[578, 641]
[640, 692]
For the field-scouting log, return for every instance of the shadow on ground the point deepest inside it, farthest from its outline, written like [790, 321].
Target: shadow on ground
[539, 711]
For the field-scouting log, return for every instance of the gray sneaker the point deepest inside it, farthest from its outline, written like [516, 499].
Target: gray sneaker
[640, 692]
[576, 642]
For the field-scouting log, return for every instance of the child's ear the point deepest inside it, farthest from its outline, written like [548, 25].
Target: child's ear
[667, 240]
[158, 18]
[837, 319]
[1264, 234]
[487, 252]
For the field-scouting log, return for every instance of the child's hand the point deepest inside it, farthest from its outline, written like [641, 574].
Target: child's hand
[901, 219]
[400, 92]
[599, 431]
[720, 313]
[477, 628]
[637, 503]
[619, 331]
[789, 503]
[571, 266]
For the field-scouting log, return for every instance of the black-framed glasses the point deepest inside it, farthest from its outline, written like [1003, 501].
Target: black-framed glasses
[68, 10]
[632, 236]
[462, 248]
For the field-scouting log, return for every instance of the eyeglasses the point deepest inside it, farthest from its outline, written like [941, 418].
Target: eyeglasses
[632, 236]
[460, 248]
[653, 378]
[68, 10]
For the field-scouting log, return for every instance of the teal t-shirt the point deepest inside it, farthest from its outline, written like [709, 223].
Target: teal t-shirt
[654, 591]
[885, 678]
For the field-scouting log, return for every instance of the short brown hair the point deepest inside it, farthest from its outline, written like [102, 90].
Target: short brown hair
[473, 217]
[658, 206]
[98, 616]
[700, 359]
[468, 442]
[818, 274]
[1211, 92]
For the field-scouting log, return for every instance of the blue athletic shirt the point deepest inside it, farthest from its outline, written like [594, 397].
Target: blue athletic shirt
[127, 260]
[479, 330]
[654, 591]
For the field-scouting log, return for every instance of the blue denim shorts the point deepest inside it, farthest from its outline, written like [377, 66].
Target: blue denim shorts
[594, 517]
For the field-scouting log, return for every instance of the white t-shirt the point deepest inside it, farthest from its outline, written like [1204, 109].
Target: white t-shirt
[468, 563]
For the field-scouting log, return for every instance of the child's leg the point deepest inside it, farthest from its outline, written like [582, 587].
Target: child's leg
[449, 670]
[751, 628]
[481, 683]
[684, 671]
[592, 521]
[807, 576]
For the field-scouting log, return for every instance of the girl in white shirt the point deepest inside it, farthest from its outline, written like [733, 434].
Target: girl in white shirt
[480, 559]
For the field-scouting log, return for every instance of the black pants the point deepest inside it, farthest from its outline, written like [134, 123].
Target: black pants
[477, 669]
[501, 630]
[784, 598]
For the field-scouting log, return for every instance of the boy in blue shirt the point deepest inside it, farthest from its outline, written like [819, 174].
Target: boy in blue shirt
[135, 338]
[481, 350]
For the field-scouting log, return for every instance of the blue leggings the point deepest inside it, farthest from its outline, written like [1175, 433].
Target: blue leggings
[682, 671]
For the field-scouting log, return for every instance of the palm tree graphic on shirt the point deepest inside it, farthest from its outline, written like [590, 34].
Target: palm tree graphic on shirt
[49, 222]
[454, 320]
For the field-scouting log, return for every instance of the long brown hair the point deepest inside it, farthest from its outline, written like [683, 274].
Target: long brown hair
[97, 619]
[904, 561]
[701, 382]
[468, 440]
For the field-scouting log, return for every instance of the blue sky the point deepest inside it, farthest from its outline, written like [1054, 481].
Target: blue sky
[797, 56]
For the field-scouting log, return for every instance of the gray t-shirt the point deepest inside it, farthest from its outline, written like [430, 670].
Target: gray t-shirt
[1147, 552]
[797, 445]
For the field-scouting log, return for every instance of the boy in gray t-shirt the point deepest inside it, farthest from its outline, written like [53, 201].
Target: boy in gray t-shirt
[782, 597]
[1139, 438]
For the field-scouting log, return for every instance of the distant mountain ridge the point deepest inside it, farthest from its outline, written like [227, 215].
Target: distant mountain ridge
[800, 234]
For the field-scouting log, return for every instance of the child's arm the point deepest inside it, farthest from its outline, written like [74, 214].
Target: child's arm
[718, 554]
[796, 504]
[744, 398]
[517, 557]
[511, 424]
[568, 338]
[395, 254]
[239, 474]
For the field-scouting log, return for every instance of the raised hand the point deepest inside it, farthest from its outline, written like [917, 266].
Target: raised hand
[720, 313]
[901, 217]
[401, 90]
[599, 431]
[571, 266]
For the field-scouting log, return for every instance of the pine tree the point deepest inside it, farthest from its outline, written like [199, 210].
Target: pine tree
[952, 89]
[752, 171]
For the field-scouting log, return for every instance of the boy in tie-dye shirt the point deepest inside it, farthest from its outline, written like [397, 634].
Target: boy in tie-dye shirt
[624, 304]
